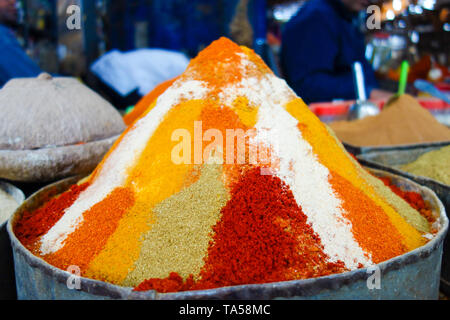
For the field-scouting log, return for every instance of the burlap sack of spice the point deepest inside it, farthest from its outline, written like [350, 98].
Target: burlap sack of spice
[52, 128]
[403, 122]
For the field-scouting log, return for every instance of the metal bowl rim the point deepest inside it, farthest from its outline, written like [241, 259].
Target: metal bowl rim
[397, 147]
[101, 288]
[388, 168]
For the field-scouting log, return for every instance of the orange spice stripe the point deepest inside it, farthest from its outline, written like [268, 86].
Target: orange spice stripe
[370, 225]
[90, 237]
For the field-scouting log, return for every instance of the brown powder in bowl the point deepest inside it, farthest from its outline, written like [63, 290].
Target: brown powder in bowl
[404, 122]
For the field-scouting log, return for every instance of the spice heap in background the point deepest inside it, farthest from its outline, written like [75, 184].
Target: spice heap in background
[7, 206]
[434, 164]
[404, 121]
[144, 219]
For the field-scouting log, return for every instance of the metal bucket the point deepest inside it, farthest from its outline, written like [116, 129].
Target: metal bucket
[7, 281]
[390, 161]
[414, 275]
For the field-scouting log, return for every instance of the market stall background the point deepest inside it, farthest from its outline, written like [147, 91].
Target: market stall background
[417, 31]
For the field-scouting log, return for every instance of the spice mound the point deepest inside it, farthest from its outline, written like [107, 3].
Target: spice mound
[405, 121]
[227, 178]
[434, 164]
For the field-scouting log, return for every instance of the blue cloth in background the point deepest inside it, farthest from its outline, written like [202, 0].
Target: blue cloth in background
[14, 63]
[319, 46]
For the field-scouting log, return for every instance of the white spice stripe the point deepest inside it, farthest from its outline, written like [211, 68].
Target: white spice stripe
[307, 178]
[113, 174]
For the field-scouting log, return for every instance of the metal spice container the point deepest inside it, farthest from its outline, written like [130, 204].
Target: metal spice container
[7, 280]
[414, 275]
[391, 161]
[355, 150]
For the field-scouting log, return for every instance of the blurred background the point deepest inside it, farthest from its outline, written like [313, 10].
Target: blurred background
[131, 51]
[415, 30]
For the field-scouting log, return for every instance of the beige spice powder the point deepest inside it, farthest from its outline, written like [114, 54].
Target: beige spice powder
[179, 239]
[434, 165]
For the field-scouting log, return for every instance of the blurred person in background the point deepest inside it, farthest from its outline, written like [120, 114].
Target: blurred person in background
[14, 62]
[319, 46]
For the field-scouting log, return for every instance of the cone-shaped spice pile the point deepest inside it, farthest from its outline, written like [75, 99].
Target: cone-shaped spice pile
[185, 202]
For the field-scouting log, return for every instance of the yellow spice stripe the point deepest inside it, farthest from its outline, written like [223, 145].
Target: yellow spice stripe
[154, 178]
[334, 157]
[248, 114]
[131, 127]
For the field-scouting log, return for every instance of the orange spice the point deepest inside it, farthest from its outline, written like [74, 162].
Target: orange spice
[222, 119]
[218, 65]
[34, 224]
[371, 227]
[90, 237]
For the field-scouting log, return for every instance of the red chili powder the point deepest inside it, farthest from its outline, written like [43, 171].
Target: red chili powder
[263, 236]
[34, 224]
[173, 283]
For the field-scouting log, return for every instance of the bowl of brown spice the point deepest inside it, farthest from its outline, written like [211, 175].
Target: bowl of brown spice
[404, 124]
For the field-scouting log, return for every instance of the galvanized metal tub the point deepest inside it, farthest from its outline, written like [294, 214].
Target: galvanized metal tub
[414, 275]
[7, 280]
[391, 161]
